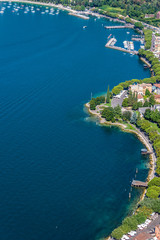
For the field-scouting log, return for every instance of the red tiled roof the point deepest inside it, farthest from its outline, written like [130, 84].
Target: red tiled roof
[157, 85]
[139, 96]
[157, 96]
[142, 236]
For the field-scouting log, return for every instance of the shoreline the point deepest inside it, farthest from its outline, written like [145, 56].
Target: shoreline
[144, 139]
[140, 135]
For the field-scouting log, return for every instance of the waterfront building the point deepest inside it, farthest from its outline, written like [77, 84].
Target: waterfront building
[140, 98]
[157, 232]
[158, 15]
[157, 98]
[149, 15]
[156, 88]
[143, 236]
[155, 47]
[140, 88]
[157, 107]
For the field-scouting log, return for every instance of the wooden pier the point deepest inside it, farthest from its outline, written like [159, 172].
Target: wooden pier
[139, 184]
[119, 27]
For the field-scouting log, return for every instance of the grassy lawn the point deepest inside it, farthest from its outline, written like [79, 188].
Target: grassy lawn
[154, 125]
[108, 104]
[129, 126]
[112, 9]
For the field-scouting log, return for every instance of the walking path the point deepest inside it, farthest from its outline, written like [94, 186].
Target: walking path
[142, 137]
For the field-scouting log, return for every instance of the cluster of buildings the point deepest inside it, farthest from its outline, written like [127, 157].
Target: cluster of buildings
[140, 90]
[154, 234]
[153, 15]
[155, 47]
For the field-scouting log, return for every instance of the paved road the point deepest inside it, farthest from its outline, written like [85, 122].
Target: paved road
[149, 228]
[118, 101]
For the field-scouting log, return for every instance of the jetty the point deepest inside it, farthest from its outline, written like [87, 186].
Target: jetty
[120, 27]
[145, 152]
[111, 42]
[78, 15]
[136, 183]
[138, 39]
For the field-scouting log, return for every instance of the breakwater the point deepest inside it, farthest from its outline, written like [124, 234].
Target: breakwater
[78, 15]
[110, 44]
[120, 27]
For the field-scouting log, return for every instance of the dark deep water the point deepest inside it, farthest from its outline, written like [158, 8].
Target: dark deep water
[62, 176]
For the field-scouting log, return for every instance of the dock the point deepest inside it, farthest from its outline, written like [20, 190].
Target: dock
[138, 39]
[120, 27]
[108, 45]
[145, 152]
[136, 183]
[78, 15]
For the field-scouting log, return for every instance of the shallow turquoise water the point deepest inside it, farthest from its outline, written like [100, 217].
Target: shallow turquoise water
[61, 174]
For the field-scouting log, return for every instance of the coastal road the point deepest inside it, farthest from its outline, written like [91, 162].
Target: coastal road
[149, 228]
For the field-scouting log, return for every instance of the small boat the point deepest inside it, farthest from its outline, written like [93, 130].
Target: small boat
[128, 32]
[109, 36]
[84, 27]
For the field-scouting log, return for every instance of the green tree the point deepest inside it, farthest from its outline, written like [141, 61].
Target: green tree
[92, 105]
[147, 114]
[152, 101]
[126, 116]
[125, 102]
[138, 25]
[146, 104]
[117, 111]
[147, 93]
[133, 118]
[117, 89]
[154, 182]
[108, 95]
[108, 113]
[153, 192]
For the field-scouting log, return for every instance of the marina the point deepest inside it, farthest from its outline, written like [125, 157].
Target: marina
[50, 154]
[129, 47]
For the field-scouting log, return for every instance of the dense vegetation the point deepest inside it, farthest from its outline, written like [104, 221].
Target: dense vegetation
[134, 9]
[132, 101]
[130, 223]
[150, 125]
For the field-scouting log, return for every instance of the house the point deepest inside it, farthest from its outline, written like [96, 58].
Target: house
[157, 107]
[156, 88]
[157, 98]
[140, 88]
[149, 15]
[142, 110]
[157, 232]
[158, 15]
[143, 236]
[140, 98]
[155, 43]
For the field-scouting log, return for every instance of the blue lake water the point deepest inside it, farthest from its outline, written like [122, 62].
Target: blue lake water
[61, 174]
